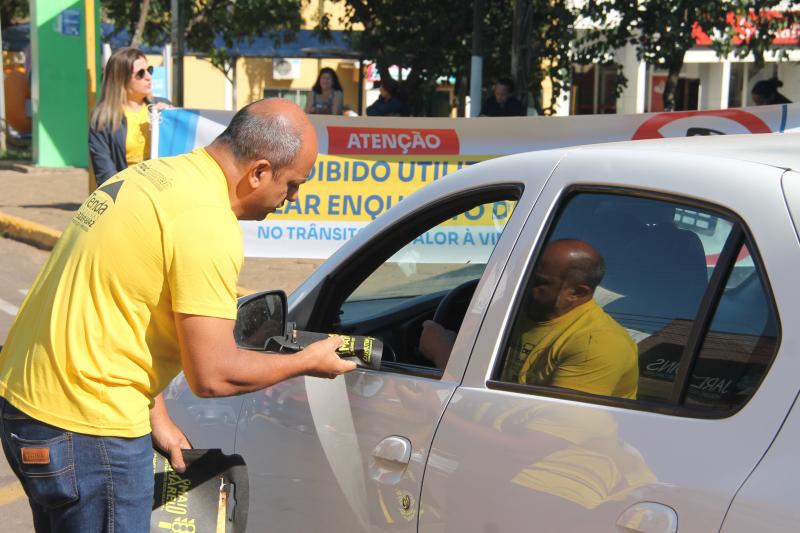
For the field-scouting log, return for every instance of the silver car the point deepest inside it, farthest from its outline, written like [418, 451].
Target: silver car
[699, 238]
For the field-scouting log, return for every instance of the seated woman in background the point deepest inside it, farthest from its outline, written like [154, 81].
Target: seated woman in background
[765, 92]
[119, 129]
[326, 96]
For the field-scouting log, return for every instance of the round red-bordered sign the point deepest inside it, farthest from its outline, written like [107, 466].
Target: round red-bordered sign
[650, 129]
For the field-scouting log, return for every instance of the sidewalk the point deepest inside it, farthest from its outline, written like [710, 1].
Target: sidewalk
[37, 204]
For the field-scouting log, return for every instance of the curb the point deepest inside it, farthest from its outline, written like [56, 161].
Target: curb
[46, 238]
[27, 167]
[28, 232]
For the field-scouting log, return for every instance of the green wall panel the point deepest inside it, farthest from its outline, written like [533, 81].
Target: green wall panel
[59, 83]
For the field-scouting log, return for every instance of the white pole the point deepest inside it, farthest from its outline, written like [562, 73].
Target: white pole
[476, 65]
[641, 87]
[475, 84]
[105, 55]
[166, 59]
[725, 88]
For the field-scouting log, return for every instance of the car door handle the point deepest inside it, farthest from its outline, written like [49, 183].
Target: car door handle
[393, 449]
[648, 517]
[389, 460]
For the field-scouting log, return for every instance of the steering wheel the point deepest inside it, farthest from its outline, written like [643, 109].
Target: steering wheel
[452, 308]
[388, 353]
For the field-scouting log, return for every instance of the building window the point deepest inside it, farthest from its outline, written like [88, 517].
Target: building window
[593, 89]
[297, 96]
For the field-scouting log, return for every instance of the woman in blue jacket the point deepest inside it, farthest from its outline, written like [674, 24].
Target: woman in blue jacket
[119, 129]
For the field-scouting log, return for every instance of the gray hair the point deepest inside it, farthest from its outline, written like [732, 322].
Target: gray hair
[270, 136]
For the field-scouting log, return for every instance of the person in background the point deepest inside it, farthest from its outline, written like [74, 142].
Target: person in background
[502, 103]
[765, 92]
[327, 97]
[388, 103]
[119, 128]
[348, 111]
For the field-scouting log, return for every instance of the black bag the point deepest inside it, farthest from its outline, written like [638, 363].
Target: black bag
[211, 496]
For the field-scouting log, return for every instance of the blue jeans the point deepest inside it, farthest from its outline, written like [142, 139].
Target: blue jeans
[82, 482]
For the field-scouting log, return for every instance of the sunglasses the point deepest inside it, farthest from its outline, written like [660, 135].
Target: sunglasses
[139, 74]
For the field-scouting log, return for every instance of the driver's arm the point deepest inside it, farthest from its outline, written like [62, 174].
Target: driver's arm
[214, 366]
[436, 343]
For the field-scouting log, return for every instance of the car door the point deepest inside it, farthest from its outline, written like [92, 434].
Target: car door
[764, 503]
[699, 260]
[348, 454]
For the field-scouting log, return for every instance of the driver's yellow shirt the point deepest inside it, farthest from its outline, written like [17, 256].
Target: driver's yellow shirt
[94, 341]
[584, 349]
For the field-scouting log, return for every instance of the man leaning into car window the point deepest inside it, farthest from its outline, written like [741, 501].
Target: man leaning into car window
[141, 286]
[562, 337]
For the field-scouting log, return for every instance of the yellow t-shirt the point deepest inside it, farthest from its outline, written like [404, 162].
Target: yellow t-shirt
[95, 340]
[584, 349]
[137, 138]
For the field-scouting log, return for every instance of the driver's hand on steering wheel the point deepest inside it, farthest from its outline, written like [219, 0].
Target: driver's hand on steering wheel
[436, 343]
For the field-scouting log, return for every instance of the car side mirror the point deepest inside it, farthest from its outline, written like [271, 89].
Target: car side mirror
[260, 317]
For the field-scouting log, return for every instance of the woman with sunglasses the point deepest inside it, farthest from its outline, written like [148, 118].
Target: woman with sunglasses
[119, 129]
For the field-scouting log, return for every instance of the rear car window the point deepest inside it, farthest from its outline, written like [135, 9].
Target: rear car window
[643, 300]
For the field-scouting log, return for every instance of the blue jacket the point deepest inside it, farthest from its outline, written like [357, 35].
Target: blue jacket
[107, 151]
[386, 108]
[107, 148]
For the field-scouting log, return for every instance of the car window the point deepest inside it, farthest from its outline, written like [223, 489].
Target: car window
[615, 298]
[740, 343]
[439, 259]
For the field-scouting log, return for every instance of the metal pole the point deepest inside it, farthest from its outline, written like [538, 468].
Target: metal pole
[177, 39]
[360, 86]
[91, 53]
[234, 84]
[476, 64]
[91, 73]
[166, 58]
[3, 126]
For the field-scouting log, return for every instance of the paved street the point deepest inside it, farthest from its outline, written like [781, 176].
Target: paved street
[18, 270]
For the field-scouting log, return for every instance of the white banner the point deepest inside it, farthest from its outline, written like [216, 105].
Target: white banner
[366, 165]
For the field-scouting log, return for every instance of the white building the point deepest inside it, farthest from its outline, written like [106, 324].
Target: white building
[706, 81]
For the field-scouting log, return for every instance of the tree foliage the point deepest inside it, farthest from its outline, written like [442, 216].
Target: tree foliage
[428, 39]
[663, 32]
[12, 11]
[434, 40]
[542, 34]
[212, 27]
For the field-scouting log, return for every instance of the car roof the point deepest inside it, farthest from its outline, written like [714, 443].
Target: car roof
[780, 150]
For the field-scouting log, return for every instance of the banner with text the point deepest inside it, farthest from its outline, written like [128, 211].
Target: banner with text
[367, 165]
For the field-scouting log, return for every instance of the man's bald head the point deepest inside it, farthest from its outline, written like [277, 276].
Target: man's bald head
[578, 261]
[266, 153]
[565, 277]
[273, 129]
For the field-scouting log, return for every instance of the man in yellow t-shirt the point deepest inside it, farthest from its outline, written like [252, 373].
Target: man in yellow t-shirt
[563, 338]
[141, 285]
